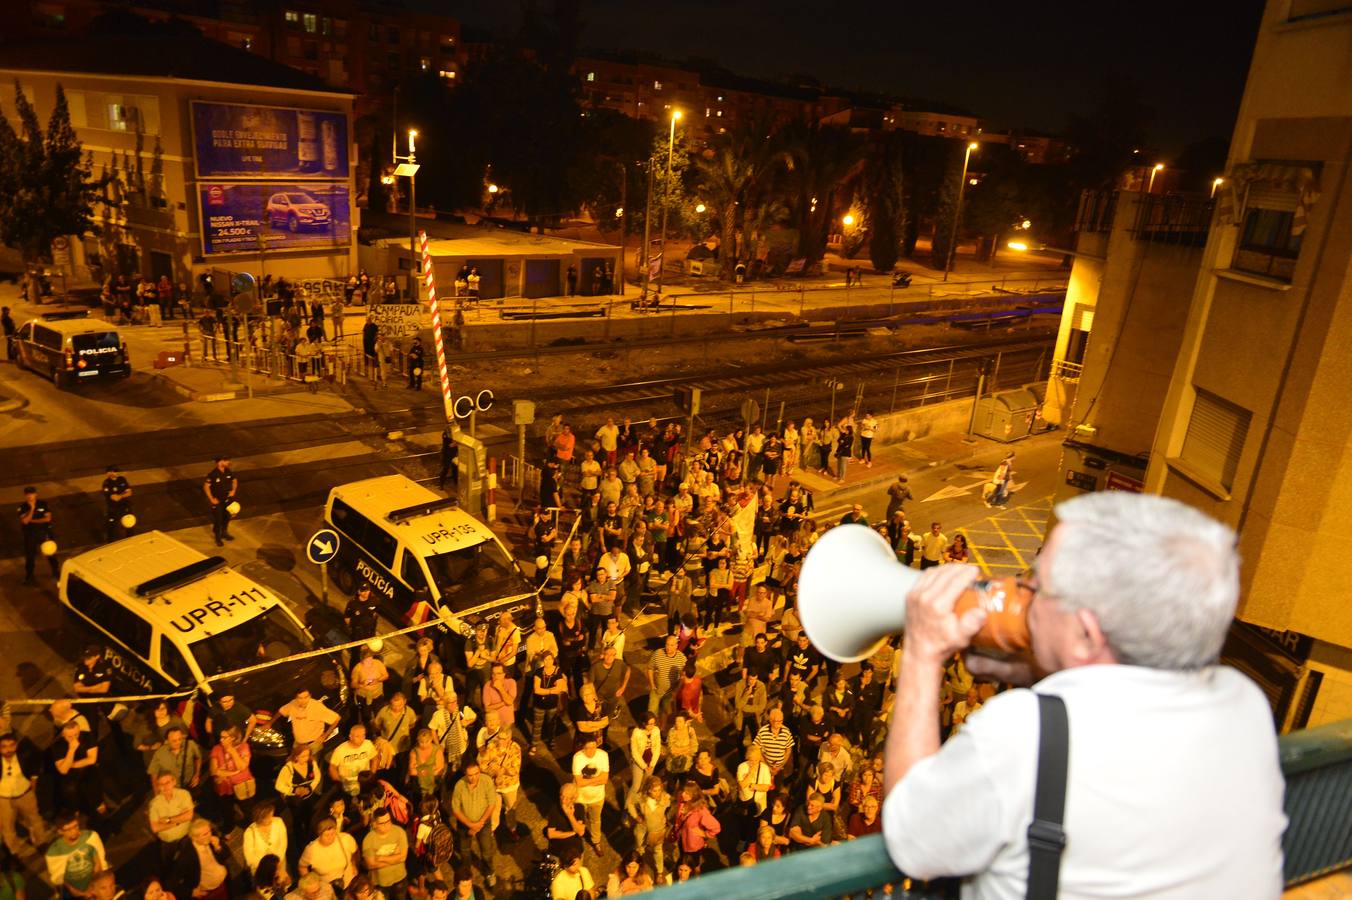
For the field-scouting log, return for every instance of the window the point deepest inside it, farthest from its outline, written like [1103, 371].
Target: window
[364, 533]
[657, 85]
[326, 26]
[1267, 245]
[447, 74]
[424, 63]
[311, 22]
[391, 35]
[45, 337]
[292, 19]
[591, 76]
[394, 60]
[105, 612]
[247, 43]
[173, 664]
[410, 571]
[1215, 437]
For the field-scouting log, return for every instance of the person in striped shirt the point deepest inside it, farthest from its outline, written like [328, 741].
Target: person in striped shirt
[776, 743]
[664, 668]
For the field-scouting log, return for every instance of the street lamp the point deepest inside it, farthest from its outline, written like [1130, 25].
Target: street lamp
[847, 220]
[700, 207]
[666, 197]
[1150, 186]
[957, 211]
[408, 168]
[1215, 184]
[492, 189]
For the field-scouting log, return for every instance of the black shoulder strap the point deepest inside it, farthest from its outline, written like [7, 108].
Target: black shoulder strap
[1046, 837]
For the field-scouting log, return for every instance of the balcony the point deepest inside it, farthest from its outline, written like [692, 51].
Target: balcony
[1318, 840]
[1095, 214]
[1180, 219]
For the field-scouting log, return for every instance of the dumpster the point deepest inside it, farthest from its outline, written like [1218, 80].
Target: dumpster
[1007, 415]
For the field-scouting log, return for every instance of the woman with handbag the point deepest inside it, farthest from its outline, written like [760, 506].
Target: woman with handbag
[229, 763]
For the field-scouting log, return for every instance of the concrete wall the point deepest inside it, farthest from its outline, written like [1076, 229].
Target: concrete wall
[922, 421]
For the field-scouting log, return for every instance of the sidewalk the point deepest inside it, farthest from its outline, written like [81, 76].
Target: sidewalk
[904, 458]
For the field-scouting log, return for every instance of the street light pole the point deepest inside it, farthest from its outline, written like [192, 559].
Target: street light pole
[957, 211]
[624, 218]
[1150, 187]
[408, 165]
[666, 197]
[647, 238]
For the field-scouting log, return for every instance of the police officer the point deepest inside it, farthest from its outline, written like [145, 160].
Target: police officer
[93, 679]
[220, 487]
[117, 502]
[360, 614]
[415, 365]
[35, 518]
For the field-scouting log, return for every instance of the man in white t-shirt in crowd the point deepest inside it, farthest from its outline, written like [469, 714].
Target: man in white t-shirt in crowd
[1173, 786]
[352, 757]
[591, 772]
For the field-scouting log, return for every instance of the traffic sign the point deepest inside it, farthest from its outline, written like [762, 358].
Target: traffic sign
[323, 546]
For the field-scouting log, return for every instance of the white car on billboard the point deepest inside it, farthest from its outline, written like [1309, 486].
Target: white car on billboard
[296, 210]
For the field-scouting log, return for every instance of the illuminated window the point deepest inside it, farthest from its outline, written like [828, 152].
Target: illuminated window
[447, 75]
[292, 19]
[311, 23]
[657, 85]
[591, 76]
[424, 63]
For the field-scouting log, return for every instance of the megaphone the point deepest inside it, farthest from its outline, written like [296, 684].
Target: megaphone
[852, 595]
[232, 507]
[128, 521]
[48, 547]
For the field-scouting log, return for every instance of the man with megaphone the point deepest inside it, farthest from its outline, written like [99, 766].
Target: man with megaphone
[35, 519]
[1135, 766]
[117, 505]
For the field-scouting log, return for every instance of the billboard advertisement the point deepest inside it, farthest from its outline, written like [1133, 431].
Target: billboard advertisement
[284, 215]
[234, 141]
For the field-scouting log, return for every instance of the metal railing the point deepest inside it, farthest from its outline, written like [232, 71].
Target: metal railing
[333, 361]
[1067, 371]
[1317, 764]
[1180, 219]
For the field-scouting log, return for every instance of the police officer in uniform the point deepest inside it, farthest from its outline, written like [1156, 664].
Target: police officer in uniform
[35, 518]
[117, 501]
[93, 679]
[415, 365]
[220, 487]
[360, 614]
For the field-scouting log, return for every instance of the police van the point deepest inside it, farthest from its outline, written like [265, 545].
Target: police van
[423, 555]
[173, 618]
[69, 347]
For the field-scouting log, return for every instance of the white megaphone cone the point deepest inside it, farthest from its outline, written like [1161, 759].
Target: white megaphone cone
[852, 592]
[232, 507]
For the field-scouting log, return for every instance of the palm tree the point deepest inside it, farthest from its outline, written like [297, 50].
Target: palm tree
[826, 159]
[733, 177]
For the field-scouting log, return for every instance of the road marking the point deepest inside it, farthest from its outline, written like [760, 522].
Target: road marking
[948, 493]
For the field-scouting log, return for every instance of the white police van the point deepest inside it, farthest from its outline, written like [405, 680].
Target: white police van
[173, 618]
[423, 555]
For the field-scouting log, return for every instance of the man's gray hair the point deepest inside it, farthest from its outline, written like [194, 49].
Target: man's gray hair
[1162, 578]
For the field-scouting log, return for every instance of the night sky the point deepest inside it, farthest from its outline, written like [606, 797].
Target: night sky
[1018, 64]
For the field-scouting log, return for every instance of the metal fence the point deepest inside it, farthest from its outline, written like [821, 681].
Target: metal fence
[264, 353]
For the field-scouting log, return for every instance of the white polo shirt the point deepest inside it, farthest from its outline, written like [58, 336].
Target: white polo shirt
[1174, 790]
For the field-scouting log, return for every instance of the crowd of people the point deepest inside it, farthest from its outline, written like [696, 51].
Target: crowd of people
[725, 740]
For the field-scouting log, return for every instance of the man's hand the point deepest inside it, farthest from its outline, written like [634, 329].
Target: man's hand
[933, 632]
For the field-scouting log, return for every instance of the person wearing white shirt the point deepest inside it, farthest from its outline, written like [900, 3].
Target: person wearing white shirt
[1133, 595]
[352, 757]
[591, 773]
[332, 855]
[754, 779]
[645, 748]
[571, 880]
[266, 836]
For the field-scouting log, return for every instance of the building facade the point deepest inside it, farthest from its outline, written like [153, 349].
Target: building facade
[1217, 371]
[253, 176]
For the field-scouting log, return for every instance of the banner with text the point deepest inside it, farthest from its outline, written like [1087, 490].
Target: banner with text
[396, 320]
[233, 141]
[253, 218]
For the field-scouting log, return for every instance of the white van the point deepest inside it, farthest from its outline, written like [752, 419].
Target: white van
[423, 555]
[172, 618]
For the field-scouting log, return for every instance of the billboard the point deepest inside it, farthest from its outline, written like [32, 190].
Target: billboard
[234, 141]
[286, 216]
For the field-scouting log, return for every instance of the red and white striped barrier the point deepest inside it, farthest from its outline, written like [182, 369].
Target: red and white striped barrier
[429, 281]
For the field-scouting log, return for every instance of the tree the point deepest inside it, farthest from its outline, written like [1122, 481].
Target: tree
[734, 179]
[924, 160]
[824, 159]
[942, 242]
[885, 202]
[52, 190]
